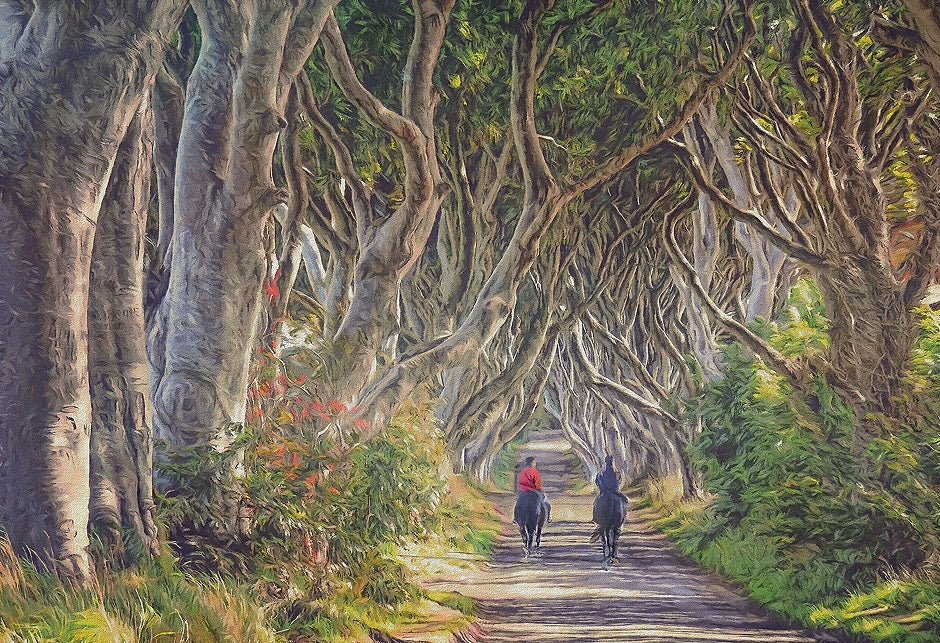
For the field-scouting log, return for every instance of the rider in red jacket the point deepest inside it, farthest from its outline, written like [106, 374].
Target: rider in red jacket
[531, 480]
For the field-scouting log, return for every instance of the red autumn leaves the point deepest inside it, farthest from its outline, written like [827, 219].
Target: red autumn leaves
[287, 401]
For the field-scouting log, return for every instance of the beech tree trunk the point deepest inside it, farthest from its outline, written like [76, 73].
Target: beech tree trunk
[207, 324]
[121, 440]
[71, 81]
[872, 332]
[390, 247]
[45, 406]
[767, 261]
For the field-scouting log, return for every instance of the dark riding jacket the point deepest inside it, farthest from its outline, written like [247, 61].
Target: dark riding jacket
[608, 479]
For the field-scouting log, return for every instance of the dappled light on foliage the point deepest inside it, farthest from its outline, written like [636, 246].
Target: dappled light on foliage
[320, 517]
[802, 517]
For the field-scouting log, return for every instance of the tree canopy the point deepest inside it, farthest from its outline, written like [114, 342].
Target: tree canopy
[521, 213]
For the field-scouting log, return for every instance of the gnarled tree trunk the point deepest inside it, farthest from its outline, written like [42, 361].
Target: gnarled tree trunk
[121, 440]
[207, 323]
[70, 84]
[389, 248]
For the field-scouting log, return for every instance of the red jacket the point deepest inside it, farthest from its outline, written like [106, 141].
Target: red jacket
[530, 479]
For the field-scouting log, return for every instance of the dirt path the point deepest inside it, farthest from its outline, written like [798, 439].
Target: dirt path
[566, 595]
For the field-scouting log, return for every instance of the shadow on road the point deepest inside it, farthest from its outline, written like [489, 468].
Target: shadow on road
[652, 595]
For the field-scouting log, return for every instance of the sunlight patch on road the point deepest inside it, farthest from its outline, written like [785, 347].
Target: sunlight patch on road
[541, 589]
[661, 633]
[549, 445]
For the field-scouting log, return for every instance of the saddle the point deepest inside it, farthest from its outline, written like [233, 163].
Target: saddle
[605, 505]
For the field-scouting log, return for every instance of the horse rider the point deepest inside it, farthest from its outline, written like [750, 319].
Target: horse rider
[609, 480]
[530, 479]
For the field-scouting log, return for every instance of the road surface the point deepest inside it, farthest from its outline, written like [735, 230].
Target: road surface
[566, 595]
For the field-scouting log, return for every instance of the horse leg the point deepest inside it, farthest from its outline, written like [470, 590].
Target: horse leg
[525, 541]
[612, 544]
[538, 535]
[605, 541]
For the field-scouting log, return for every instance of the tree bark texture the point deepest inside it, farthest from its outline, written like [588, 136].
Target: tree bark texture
[224, 194]
[925, 16]
[389, 248]
[70, 84]
[121, 440]
[843, 231]
[767, 261]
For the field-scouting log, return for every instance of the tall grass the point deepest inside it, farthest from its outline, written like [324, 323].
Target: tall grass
[153, 602]
[325, 550]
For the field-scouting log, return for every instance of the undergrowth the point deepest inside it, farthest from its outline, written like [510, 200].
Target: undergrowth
[294, 531]
[506, 466]
[826, 535]
[155, 601]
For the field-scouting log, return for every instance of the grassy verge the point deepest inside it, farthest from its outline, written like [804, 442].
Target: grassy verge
[902, 609]
[157, 602]
[825, 531]
[324, 563]
[449, 555]
[505, 469]
[153, 602]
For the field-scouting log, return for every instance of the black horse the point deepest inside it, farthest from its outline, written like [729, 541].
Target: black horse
[529, 513]
[609, 514]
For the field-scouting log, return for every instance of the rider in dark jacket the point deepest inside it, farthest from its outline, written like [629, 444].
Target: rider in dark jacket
[609, 479]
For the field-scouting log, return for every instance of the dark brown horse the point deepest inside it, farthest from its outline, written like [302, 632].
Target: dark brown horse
[609, 513]
[530, 513]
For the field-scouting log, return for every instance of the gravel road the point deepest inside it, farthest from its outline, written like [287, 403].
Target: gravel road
[565, 595]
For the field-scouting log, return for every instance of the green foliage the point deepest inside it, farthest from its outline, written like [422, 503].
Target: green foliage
[895, 611]
[504, 470]
[154, 602]
[474, 67]
[321, 516]
[614, 79]
[925, 358]
[799, 512]
[803, 327]
[459, 602]
[481, 542]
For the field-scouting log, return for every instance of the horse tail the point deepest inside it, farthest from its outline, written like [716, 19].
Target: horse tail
[596, 534]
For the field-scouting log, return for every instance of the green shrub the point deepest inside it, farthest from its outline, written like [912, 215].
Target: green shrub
[320, 515]
[796, 514]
